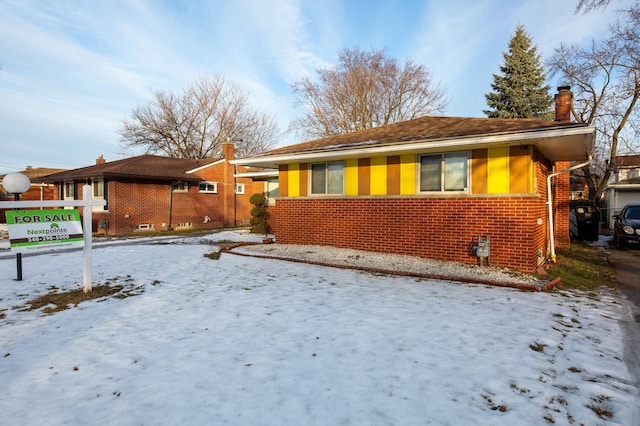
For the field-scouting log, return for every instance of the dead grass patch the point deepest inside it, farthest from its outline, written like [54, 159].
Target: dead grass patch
[581, 266]
[56, 301]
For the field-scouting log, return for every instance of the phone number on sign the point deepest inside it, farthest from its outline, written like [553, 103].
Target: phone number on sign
[49, 238]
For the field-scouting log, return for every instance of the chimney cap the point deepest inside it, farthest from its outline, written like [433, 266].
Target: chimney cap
[563, 88]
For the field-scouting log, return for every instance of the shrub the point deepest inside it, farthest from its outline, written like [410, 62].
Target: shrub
[258, 214]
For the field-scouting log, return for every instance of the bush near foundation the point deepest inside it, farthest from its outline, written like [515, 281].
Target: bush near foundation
[258, 214]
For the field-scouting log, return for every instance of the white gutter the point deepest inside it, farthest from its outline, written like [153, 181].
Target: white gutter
[270, 173]
[551, 234]
[359, 149]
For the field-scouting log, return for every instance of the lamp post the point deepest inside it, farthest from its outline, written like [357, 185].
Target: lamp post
[16, 183]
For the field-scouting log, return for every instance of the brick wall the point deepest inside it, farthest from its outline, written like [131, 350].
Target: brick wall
[561, 194]
[132, 203]
[439, 228]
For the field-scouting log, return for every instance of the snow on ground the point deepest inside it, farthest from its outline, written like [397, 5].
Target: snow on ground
[246, 340]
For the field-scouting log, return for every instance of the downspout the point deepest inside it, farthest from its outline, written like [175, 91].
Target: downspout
[170, 205]
[550, 204]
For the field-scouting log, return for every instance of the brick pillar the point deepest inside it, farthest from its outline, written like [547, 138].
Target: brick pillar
[229, 185]
[561, 196]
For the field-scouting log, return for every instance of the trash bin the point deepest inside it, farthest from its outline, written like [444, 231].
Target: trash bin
[588, 223]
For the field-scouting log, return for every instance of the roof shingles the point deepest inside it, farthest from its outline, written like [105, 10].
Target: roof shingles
[140, 167]
[421, 129]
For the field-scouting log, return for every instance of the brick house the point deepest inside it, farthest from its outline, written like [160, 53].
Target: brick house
[431, 186]
[37, 191]
[155, 193]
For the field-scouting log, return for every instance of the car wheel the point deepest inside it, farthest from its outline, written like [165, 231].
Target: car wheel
[620, 245]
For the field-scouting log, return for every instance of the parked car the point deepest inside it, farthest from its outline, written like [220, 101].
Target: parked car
[626, 228]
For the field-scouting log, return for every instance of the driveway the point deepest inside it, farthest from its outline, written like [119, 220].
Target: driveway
[626, 264]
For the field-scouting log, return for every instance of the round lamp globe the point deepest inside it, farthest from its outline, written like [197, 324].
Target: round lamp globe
[16, 183]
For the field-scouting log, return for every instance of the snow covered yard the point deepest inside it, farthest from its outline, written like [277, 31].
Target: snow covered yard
[244, 340]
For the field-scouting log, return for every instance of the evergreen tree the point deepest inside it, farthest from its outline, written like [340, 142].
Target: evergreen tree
[520, 91]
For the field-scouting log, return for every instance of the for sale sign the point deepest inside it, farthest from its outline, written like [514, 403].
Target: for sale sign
[37, 230]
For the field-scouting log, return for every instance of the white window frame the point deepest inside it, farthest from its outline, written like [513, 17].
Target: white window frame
[65, 192]
[207, 185]
[98, 185]
[442, 169]
[327, 170]
[240, 188]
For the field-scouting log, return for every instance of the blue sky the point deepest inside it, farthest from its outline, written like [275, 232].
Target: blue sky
[72, 71]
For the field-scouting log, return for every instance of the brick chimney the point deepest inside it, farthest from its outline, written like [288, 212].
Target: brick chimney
[228, 150]
[564, 100]
[100, 160]
[562, 187]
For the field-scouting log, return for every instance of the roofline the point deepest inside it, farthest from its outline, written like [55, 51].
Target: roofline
[112, 175]
[197, 169]
[623, 186]
[421, 145]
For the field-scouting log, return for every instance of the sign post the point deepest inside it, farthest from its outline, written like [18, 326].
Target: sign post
[65, 219]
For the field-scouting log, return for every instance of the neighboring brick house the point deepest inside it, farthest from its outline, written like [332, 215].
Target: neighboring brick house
[155, 193]
[430, 186]
[37, 191]
[624, 187]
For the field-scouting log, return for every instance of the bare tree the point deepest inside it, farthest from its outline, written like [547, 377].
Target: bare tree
[195, 123]
[587, 5]
[605, 78]
[365, 89]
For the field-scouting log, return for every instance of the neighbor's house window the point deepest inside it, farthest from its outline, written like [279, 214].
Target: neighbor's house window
[444, 172]
[239, 188]
[99, 192]
[210, 187]
[180, 187]
[327, 178]
[69, 190]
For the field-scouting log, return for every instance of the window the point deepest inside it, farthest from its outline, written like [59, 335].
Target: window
[69, 190]
[99, 192]
[632, 213]
[210, 187]
[239, 188]
[444, 172]
[180, 187]
[327, 178]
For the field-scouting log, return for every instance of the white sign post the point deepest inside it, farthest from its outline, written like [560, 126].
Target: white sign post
[87, 203]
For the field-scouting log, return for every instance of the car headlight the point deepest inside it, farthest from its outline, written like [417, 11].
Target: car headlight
[638, 231]
[628, 230]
